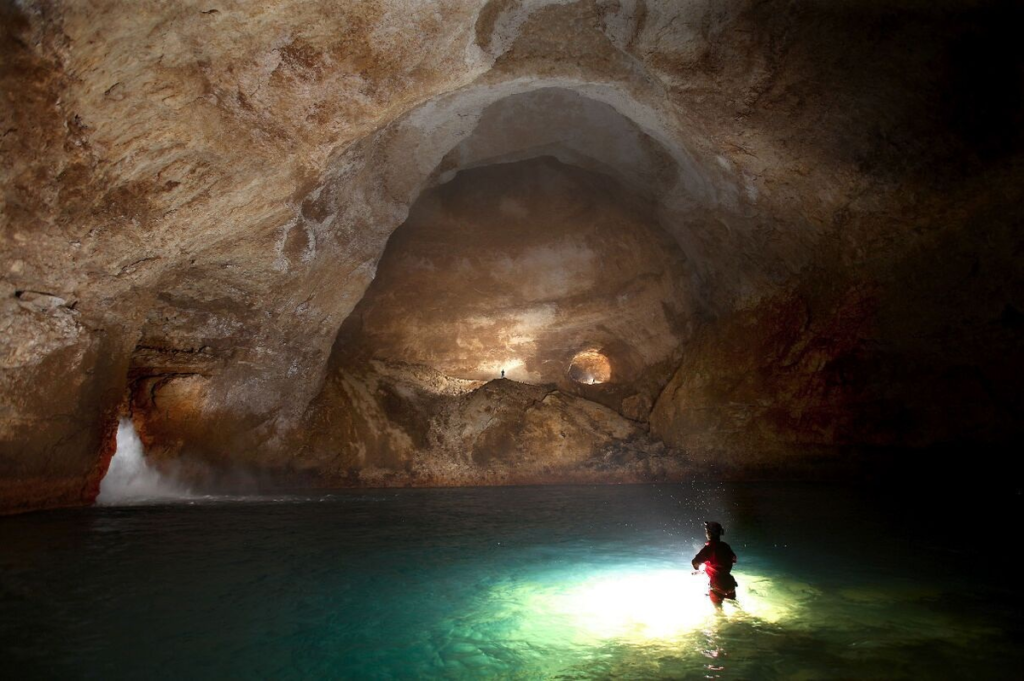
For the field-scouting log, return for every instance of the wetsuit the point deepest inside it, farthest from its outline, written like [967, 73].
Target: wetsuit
[719, 558]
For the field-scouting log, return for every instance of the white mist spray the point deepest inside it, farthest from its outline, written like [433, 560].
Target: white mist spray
[130, 479]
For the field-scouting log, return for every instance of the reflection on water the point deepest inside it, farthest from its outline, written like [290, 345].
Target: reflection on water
[570, 582]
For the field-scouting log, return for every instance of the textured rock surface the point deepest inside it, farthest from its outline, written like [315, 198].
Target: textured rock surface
[909, 349]
[401, 425]
[519, 267]
[195, 198]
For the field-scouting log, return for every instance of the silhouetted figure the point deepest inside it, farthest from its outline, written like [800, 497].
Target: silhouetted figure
[503, 373]
[718, 558]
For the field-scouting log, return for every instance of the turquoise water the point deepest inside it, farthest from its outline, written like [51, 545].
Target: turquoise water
[524, 583]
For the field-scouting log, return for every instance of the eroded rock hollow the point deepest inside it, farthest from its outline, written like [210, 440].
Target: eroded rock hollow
[469, 242]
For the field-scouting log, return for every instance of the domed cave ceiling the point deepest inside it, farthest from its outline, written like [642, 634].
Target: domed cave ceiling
[303, 243]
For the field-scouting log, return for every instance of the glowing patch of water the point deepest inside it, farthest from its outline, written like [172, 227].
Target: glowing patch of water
[635, 606]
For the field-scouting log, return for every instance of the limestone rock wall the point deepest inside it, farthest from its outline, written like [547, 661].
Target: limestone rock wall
[155, 158]
[196, 197]
[396, 425]
[517, 268]
[881, 355]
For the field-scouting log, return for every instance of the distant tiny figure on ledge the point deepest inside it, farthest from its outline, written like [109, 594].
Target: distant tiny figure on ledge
[718, 559]
[503, 373]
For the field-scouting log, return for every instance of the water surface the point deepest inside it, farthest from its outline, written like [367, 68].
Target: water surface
[528, 582]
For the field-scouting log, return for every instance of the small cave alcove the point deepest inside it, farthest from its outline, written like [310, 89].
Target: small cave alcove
[590, 367]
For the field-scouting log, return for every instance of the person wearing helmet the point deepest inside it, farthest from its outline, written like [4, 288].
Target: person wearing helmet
[718, 559]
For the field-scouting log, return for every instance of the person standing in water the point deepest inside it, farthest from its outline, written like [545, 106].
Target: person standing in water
[718, 557]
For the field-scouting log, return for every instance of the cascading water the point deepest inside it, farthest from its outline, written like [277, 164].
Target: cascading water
[130, 480]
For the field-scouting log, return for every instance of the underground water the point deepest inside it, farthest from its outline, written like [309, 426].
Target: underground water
[521, 582]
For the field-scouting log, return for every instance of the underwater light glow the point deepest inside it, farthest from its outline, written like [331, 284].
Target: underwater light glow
[640, 605]
[637, 605]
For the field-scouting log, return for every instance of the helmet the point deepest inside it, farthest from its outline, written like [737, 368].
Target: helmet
[714, 529]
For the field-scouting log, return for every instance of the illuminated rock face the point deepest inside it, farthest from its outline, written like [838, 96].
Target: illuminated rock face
[520, 267]
[196, 200]
[590, 367]
[397, 425]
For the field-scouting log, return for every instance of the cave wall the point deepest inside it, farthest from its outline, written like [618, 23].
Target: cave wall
[392, 424]
[517, 267]
[154, 163]
[195, 199]
[910, 353]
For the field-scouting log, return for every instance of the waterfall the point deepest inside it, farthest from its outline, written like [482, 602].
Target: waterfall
[130, 479]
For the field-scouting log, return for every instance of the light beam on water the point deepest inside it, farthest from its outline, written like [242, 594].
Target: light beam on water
[634, 605]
